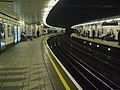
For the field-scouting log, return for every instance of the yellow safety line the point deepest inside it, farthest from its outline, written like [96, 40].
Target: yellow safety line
[56, 69]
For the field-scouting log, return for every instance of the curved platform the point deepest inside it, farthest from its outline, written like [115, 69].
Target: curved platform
[27, 66]
[109, 43]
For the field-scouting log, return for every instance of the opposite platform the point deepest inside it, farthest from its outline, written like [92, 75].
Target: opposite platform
[109, 43]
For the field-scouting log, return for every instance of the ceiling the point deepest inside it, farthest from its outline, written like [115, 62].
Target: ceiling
[70, 12]
[29, 11]
[65, 14]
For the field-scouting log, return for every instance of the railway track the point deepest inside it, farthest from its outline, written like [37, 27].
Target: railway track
[91, 69]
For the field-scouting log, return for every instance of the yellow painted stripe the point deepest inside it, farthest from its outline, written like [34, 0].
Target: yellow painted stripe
[56, 69]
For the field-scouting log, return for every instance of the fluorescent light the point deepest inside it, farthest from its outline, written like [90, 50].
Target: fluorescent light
[109, 20]
[109, 49]
[84, 41]
[98, 46]
[72, 27]
[102, 21]
[90, 43]
[116, 19]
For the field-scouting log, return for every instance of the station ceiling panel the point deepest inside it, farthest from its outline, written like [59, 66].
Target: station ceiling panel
[29, 11]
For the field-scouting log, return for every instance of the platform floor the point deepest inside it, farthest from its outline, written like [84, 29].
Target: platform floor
[109, 43]
[25, 66]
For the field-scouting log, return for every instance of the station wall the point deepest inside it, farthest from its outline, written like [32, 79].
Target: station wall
[9, 27]
[103, 30]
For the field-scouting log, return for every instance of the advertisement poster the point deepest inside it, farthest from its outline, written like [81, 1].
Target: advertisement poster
[19, 34]
[15, 34]
[2, 36]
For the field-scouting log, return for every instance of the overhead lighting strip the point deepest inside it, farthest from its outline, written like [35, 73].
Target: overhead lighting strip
[95, 22]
